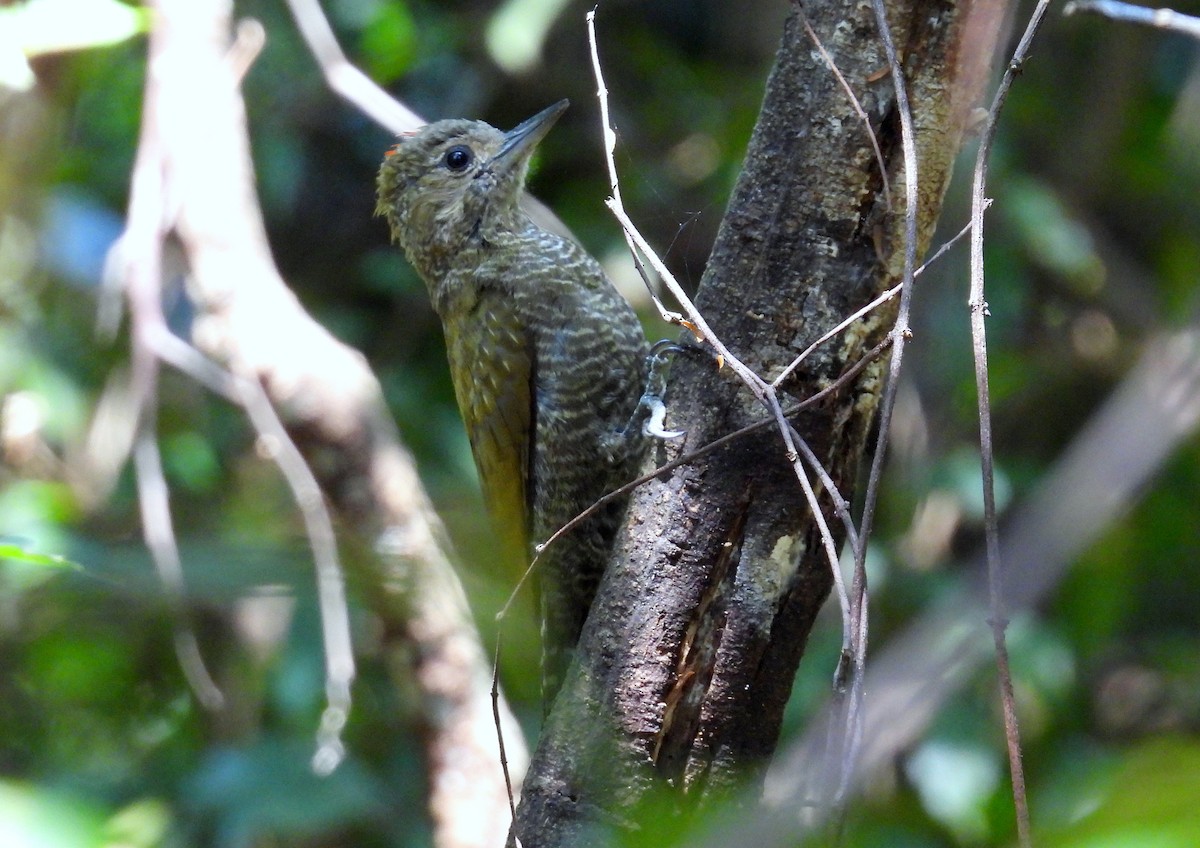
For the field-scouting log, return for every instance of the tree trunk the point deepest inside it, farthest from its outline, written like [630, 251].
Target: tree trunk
[688, 657]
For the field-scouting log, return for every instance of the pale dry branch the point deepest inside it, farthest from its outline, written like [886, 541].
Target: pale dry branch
[159, 534]
[1115, 10]
[344, 78]
[153, 211]
[274, 442]
[328, 405]
[137, 266]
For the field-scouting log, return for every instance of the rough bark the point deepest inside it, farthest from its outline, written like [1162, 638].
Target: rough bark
[688, 657]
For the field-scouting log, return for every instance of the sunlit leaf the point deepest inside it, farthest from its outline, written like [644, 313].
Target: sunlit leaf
[16, 551]
[33, 816]
[143, 824]
[52, 26]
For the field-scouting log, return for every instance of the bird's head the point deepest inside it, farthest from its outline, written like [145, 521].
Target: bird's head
[455, 181]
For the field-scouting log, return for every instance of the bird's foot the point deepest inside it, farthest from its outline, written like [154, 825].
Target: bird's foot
[651, 410]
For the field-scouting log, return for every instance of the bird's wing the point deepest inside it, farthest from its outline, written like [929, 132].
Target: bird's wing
[493, 378]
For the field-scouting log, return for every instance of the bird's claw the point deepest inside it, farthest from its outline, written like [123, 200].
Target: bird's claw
[654, 424]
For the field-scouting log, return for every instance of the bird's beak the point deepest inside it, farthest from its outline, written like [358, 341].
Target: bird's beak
[521, 139]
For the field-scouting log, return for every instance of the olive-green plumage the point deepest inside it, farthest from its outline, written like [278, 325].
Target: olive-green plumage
[545, 355]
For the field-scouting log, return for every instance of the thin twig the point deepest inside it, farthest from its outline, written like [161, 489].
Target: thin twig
[978, 311]
[841, 382]
[512, 804]
[870, 307]
[1158, 18]
[331, 585]
[694, 321]
[275, 442]
[858, 109]
[136, 263]
[348, 81]
[790, 438]
[186, 359]
[834, 331]
[841, 506]
[900, 332]
[610, 146]
[848, 686]
[159, 534]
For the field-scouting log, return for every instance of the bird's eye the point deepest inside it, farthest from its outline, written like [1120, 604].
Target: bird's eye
[458, 158]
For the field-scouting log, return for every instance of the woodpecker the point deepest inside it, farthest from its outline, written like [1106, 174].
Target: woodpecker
[546, 356]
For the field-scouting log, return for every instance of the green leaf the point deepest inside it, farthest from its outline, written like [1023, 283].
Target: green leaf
[1146, 800]
[17, 552]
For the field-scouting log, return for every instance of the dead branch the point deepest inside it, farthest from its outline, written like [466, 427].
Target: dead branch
[1128, 13]
[329, 401]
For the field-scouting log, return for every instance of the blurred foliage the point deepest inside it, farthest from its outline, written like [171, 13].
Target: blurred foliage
[1093, 246]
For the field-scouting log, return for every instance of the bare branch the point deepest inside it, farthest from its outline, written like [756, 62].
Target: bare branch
[348, 81]
[978, 312]
[328, 403]
[159, 533]
[275, 443]
[137, 260]
[900, 330]
[1117, 11]
[610, 146]
[140, 251]
[859, 314]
